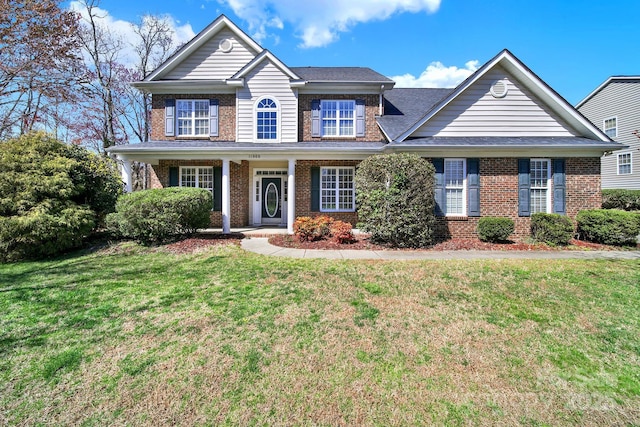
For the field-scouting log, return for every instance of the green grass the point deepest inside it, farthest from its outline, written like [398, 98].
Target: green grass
[140, 336]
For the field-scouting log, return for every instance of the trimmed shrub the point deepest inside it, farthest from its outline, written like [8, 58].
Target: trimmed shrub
[308, 229]
[554, 229]
[52, 195]
[626, 200]
[342, 232]
[157, 215]
[608, 226]
[395, 196]
[494, 229]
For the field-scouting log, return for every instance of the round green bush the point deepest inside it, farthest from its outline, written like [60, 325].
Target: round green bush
[494, 229]
[609, 226]
[157, 215]
[395, 199]
[52, 195]
[554, 229]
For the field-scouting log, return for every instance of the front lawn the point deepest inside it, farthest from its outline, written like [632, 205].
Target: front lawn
[138, 336]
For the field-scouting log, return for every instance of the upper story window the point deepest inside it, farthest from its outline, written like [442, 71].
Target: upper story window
[610, 127]
[267, 120]
[338, 118]
[540, 178]
[193, 117]
[624, 163]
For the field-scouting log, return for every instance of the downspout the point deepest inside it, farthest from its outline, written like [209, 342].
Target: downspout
[381, 105]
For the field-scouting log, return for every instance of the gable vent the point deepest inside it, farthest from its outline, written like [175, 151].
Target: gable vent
[499, 89]
[226, 45]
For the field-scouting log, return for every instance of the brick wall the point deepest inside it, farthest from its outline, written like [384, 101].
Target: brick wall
[239, 186]
[226, 116]
[499, 195]
[303, 189]
[372, 131]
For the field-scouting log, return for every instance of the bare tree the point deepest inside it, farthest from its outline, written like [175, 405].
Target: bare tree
[39, 63]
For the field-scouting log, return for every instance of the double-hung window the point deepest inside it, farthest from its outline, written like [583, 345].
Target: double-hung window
[454, 186]
[198, 177]
[624, 163]
[337, 189]
[267, 120]
[193, 117]
[338, 118]
[540, 178]
[610, 127]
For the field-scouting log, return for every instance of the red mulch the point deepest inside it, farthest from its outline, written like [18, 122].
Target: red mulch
[191, 244]
[362, 242]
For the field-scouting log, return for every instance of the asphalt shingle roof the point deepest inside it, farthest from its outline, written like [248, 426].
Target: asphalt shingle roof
[403, 107]
[340, 74]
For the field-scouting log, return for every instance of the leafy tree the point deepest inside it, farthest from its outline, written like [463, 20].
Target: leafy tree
[39, 63]
[395, 199]
[51, 195]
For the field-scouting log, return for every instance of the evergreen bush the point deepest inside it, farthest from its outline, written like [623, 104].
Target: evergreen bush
[554, 229]
[395, 196]
[609, 226]
[626, 200]
[495, 229]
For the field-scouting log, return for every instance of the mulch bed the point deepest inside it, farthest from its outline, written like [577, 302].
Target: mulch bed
[201, 241]
[363, 242]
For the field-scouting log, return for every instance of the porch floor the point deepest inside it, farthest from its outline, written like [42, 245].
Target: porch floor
[249, 231]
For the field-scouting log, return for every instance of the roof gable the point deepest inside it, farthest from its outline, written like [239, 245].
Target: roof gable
[605, 84]
[208, 56]
[506, 66]
[265, 55]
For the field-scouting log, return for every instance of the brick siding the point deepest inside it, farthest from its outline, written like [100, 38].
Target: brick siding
[372, 131]
[226, 116]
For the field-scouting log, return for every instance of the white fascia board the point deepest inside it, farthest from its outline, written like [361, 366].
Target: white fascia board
[552, 99]
[266, 55]
[200, 39]
[513, 65]
[453, 95]
[603, 85]
[183, 86]
[494, 152]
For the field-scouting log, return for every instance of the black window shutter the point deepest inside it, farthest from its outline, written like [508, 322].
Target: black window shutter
[217, 189]
[315, 118]
[315, 189]
[440, 195]
[559, 187]
[174, 177]
[473, 187]
[524, 188]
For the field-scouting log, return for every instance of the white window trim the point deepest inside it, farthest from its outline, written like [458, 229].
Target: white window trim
[630, 163]
[197, 168]
[548, 186]
[193, 119]
[604, 121]
[464, 187]
[337, 189]
[353, 134]
[255, 120]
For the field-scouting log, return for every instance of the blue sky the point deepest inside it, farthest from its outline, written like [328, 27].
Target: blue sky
[572, 45]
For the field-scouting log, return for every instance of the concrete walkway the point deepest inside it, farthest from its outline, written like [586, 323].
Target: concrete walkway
[261, 245]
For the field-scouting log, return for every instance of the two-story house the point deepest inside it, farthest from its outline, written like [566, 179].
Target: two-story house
[614, 107]
[273, 142]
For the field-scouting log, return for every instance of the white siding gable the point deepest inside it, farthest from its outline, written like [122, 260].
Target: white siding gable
[476, 112]
[267, 80]
[210, 62]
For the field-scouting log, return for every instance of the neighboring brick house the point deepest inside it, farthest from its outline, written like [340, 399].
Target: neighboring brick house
[614, 107]
[274, 142]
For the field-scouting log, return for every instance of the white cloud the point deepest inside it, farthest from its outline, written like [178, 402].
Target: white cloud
[124, 31]
[437, 75]
[319, 23]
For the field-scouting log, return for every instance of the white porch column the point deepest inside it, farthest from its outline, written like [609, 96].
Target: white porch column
[226, 198]
[291, 195]
[125, 172]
